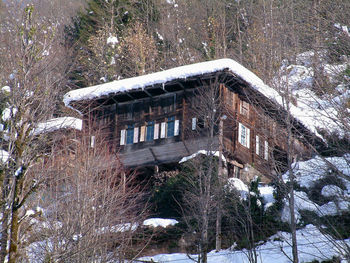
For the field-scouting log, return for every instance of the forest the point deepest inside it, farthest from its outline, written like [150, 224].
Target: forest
[57, 206]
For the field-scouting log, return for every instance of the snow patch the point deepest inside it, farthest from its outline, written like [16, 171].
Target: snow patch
[4, 156]
[235, 184]
[59, 123]
[8, 113]
[208, 153]
[160, 222]
[112, 40]
[6, 89]
[267, 194]
[312, 245]
[331, 190]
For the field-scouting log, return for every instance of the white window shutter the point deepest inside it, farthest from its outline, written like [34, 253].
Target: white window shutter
[156, 131]
[177, 128]
[248, 138]
[257, 144]
[143, 133]
[240, 133]
[122, 137]
[266, 150]
[194, 123]
[136, 134]
[92, 141]
[162, 130]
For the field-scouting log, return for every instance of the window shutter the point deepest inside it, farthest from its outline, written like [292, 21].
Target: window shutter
[240, 133]
[136, 134]
[143, 133]
[156, 131]
[92, 141]
[257, 144]
[177, 128]
[122, 137]
[248, 138]
[162, 130]
[266, 152]
[194, 123]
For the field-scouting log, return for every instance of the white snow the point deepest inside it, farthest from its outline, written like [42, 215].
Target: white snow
[6, 89]
[8, 113]
[4, 156]
[312, 245]
[208, 153]
[299, 76]
[30, 212]
[59, 123]
[160, 222]
[307, 173]
[113, 40]
[182, 72]
[267, 194]
[18, 171]
[331, 190]
[237, 185]
[118, 228]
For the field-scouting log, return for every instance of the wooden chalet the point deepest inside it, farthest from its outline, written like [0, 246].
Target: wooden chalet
[155, 120]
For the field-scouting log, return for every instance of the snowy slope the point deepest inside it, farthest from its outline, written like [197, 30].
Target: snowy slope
[312, 245]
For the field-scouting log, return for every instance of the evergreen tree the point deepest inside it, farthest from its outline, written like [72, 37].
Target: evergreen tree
[106, 35]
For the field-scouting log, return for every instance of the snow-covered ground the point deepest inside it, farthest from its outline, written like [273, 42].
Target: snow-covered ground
[312, 245]
[312, 110]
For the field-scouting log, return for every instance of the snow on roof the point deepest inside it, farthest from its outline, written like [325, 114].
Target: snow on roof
[182, 72]
[308, 116]
[59, 123]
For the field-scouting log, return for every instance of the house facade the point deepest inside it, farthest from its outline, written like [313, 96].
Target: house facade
[157, 119]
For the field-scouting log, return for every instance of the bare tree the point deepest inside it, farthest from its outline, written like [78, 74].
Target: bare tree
[34, 69]
[92, 207]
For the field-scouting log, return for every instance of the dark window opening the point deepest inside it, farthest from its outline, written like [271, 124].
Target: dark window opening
[150, 131]
[171, 127]
[130, 134]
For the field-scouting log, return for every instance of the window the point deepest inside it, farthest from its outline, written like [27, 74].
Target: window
[257, 145]
[136, 134]
[244, 135]
[122, 137]
[129, 111]
[177, 128]
[266, 152]
[170, 127]
[142, 133]
[156, 131]
[244, 108]
[194, 124]
[150, 131]
[162, 129]
[92, 141]
[130, 135]
[168, 104]
[154, 108]
[229, 99]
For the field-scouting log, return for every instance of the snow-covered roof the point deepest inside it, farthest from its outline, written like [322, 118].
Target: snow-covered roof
[309, 117]
[182, 72]
[59, 123]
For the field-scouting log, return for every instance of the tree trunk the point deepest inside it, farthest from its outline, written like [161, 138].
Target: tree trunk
[290, 150]
[14, 237]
